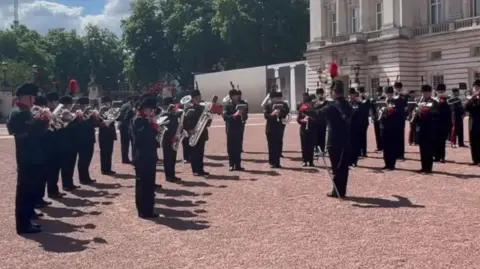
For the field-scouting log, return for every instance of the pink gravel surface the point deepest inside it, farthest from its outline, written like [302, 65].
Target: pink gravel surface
[260, 218]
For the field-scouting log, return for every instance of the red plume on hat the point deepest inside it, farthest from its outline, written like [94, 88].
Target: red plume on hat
[158, 88]
[73, 86]
[333, 69]
[57, 85]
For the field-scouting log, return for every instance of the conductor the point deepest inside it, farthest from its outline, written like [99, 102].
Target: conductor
[338, 114]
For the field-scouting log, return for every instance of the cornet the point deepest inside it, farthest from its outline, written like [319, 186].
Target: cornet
[241, 109]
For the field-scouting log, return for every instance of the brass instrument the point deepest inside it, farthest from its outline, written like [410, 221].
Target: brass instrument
[241, 108]
[288, 117]
[36, 111]
[265, 100]
[186, 101]
[418, 111]
[383, 111]
[109, 114]
[205, 118]
[180, 134]
[162, 129]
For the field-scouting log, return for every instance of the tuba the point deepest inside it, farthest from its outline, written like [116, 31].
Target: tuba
[202, 123]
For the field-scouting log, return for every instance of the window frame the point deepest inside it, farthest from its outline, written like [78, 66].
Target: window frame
[354, 20]
[379, 15]
[437, 5]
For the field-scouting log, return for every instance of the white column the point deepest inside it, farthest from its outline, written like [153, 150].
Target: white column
[293, 89]
[365, 10]
[388, 13]
[341, 17]
[317, 19]
[277, 79]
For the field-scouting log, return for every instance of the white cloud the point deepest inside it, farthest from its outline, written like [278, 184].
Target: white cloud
[43, 15]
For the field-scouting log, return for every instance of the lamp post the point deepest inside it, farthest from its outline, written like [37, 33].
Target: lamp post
[356, 71]
[4, 69]
[34, 70]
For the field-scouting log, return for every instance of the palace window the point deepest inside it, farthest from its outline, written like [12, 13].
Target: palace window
[379, 17]
[373, 59]
[334, 24]
[436, 80]
[355, 22]
[475, 51]
[435, 11]
[435, 55]
[374, 84]
[475, 8]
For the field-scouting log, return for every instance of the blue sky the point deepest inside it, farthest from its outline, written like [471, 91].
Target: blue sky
[43, 15]
[90, 6]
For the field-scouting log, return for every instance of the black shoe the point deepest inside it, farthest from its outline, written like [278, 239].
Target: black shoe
[87, 182]
[463, 146]
[365, 155]
[239, 168]
[442, 161]
[42, 204]
[203, 173]
[36, 225]
[109, 173]
[173, 179]
[281, 155]
[277, 166]
[231, 168]
[57, 195]
[30, 230]
[148, 216]
[272, 166]
[127, 162]
[186, 161]
[304, 164]
[311, 164]
[71, 188]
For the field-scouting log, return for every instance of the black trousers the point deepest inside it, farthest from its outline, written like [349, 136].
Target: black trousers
[54, 166]
[196, 156]
[282, 133]
[307, 142]
[321, 136]
[475, 147]
[412, 134]
[356, 148]
[169, 160]
[26, 193]
[439, 147]
[234, 148]
[85, 155]
[378, 135]
[275, 145]
[145, 171]
[427, 149]
[339, 159]
[401, 141]
[186, 149]
[459, 132]
[41, 183]
[125, 145]
[390, 149]
[106, 152]
[363, 141]
[67, 169]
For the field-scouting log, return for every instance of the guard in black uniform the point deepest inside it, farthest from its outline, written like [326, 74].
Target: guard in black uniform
[339, 115]
[234, 117]
[473, 108]
[144, 133]
[412, 132]
[67, 147]
[308, 132]
[365, 109]
[245, 117]
[402, 103]
[185, 146]
[443, 121]
[30, 157]
[425, 118]
[192, 116]
[356, 126]
[275, 127]
[106, 139]
[320, 123]
[391, 120]
[85, 140]
[380, 98]
[458, 113]
[170, 155]
[127, 112]
[55, 154]
[41, 101]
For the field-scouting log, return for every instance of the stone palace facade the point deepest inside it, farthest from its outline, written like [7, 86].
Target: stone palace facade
[438, 40]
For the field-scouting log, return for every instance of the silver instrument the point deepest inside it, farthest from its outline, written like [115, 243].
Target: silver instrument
[241, 108]
[162, 129]
[418, 111]
[205, 118]
[36, 111]
[265, 100]
[288, 117]
[186, 101]
[180, 134]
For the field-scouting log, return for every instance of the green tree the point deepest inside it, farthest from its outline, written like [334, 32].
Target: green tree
[18, 73]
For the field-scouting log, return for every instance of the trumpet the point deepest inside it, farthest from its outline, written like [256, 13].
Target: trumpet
[241, 109]
[40, 113]
[418, 111]
[278, 108]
